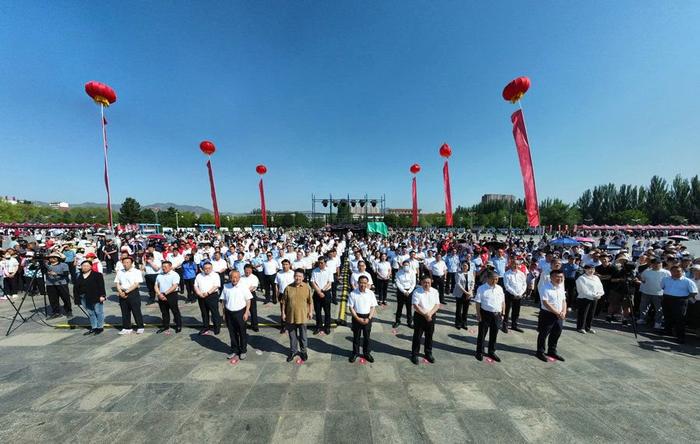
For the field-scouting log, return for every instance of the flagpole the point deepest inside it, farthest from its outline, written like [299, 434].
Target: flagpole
[106, 173]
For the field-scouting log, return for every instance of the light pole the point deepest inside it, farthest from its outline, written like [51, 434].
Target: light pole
[177, 221]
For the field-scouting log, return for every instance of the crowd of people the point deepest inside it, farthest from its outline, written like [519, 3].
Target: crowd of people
[643, 280]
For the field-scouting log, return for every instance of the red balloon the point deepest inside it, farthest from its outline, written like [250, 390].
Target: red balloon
[261, 169]
[445, 150]
[415, 168]
[207, 147]
[100, 93]
[516, 89]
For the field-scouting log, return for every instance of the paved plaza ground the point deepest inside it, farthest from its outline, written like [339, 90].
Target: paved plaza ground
[57, 385]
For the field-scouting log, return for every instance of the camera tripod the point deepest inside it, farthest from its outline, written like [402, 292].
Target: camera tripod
[29, 291]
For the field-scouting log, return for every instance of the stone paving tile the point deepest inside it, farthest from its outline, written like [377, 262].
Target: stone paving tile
[180, 388]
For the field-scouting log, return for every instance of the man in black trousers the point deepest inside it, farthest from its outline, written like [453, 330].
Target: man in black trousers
[363, 306]
[552, 315]
[490, 307]
[166, 286]
[426, 302]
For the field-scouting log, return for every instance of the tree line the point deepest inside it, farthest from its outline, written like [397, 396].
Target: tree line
[661, 202]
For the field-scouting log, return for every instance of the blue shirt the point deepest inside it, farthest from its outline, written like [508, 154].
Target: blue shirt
[70, 256]
[452, 261]
[239, 265]
[499, 263]
[189, 270]
[569, 270]
[166, 280]
[681, 288]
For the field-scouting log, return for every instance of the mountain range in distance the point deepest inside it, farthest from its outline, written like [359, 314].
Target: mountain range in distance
[160, 206]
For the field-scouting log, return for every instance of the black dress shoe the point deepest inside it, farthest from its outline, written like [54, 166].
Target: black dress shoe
[414, 359]
[518, 329]
[395, 324]
[430, 359]
[556, 356]
[89, 332]
[315, 331]
[542, 357]
[69, 314]
[457, 326]
[410, 325]
[353, 357]
[161, 330]
[290, 357]
[494, 356]
[304, 356]
[178, 329]
[255, 329]
[98, 331]
[369, 358]
[479, 357]
[327, 331]
[504, 329]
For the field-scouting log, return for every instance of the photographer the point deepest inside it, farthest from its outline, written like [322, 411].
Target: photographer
[57, 285]
[622, 287]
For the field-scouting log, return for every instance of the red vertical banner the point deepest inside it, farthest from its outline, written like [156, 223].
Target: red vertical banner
[262, 203]
[414, 195]
[523, 147]
[448, 195]
[217, 220]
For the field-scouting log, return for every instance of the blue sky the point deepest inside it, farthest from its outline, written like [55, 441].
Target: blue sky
[342, 97]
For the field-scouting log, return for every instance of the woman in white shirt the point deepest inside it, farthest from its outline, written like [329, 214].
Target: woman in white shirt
[382, 268]
[589, 289]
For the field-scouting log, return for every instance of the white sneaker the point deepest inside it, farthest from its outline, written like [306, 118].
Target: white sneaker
[139, 331]
[3, 298]
[124, 331]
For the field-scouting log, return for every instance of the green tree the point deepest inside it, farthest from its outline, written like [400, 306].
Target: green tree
[657, 200]
[130, 211]
[148, 216]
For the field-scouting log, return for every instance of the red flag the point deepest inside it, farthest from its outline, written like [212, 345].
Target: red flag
[262, 203]
[448, 195]
[523, 148]
[414, 195]
[217, 221]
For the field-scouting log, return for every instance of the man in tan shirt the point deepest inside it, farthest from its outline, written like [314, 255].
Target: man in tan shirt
[296, 307]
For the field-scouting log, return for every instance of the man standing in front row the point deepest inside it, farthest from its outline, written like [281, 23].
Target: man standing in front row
[296, 307]
[426, 302]
[363, 306]
[322, 281]
[552, 315]
[165, 289]
[490, 306]
[405, 281]
[128, 281]
[235, 298]
[515, 283]
[677, 290]
[206, 286]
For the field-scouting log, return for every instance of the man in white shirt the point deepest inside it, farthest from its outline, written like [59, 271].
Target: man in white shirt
[282, 280]
[426, 302]
[361, 271]
[177, 259]
[438, 270]
[490, 306]
[235, 298]
[363, 306]
[220, 267]
[333, 265]
[206, 286]
[152, 262]
[652, 293]
[321, 282]
[552, 315]
[405, 282]
[166, 286]
[128, 281]
[250, 280]
[383, 270]
[515, 283]
[270, 269]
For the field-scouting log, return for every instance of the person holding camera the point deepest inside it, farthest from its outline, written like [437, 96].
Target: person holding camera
[57, 285]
